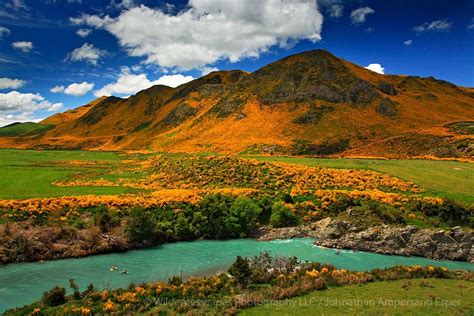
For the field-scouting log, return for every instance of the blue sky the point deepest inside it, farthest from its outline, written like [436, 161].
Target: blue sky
[60, 54]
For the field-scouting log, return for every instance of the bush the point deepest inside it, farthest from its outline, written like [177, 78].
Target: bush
[104, 219]
[244, 215]
[141, 227]
[241, 272]
[282, 216]
[450, 212]
[54, 297]
[214, 209]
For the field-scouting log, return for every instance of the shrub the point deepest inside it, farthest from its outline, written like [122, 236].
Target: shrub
[104, 219]
[282, 216]
[241, 271]
[73, 285]
[54, 297]
[265, 204]
[215, 209]
[450, 212]
[244, 212]
[141, 227]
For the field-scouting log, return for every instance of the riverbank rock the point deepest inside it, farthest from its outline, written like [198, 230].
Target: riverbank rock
[452, 244]
[270, 233]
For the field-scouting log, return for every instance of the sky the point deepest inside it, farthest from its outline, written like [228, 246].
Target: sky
[60, 54]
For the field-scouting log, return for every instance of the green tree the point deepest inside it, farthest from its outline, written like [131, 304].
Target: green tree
[282, 216]
[141, 227]
[244, 214]
[215, 207]
[182, 228]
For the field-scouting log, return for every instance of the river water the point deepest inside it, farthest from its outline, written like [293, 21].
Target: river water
[24, 283]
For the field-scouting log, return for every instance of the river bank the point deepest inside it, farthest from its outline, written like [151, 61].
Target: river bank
[451, 244]
[34, 243]
[25, 282]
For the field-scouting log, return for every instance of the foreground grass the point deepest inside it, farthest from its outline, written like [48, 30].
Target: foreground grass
[451, 179]
[29, 173]
[414, 297]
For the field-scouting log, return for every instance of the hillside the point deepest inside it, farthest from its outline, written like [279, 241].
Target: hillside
[312, 103]
[24, 129]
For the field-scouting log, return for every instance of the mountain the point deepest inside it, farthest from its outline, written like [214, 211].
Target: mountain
[311, 103]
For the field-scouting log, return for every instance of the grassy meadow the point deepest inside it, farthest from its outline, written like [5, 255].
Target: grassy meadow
[30, 173]
[420, 297]
[451, 179]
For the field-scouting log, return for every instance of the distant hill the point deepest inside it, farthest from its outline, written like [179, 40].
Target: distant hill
[311, 103]
[24, 129]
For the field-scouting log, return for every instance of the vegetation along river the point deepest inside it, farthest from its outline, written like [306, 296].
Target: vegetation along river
[23, 283]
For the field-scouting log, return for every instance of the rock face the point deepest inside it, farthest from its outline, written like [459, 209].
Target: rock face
[453, 244]
[268, 233]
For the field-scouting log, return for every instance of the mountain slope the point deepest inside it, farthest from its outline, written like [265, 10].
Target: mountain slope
[312, 103]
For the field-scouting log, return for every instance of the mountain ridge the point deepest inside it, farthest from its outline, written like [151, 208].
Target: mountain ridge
[312, 103]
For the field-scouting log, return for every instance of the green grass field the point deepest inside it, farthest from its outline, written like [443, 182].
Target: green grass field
[441, 297]
[451, 179]
[29, 173]
[25, 129]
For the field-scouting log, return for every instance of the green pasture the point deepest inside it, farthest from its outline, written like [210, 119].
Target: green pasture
[403, 297]
[451, 179]
[29, 173]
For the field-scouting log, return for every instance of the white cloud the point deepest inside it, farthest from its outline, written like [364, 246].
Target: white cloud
[91, 20]
[75, 89]
[359, 15]
[208, 70]
[83, 32]
[408, 42]
[470, 26]
[173, 80]
[336, 10]
[16, 106]
[208, 31]
[434, 26]
[4, 32]
[8, 83]
[23, 46]
[128, 83]
[376, 68]
[87, 53]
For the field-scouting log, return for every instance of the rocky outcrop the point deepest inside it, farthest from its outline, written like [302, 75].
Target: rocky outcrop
[268, 233]
[452, 244]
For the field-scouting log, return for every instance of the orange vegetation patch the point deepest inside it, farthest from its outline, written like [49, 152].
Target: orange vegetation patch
[117, 202]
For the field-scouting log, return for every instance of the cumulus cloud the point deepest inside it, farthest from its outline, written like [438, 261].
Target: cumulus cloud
[25, 47]
[376, 68]
[8, 83]
[208, 31]
[16, 106]
[336, 10]
[358, 16]
[75, 89]
[128, 83]
[4, 32]
[87, 53]
[83, 32]
[434, 26]
[208, 70]
[408, 42]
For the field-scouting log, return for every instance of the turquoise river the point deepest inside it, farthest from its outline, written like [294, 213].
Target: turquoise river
[23, 283]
